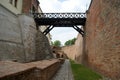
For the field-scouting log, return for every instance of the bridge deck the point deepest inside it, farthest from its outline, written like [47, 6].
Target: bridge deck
[60, 19]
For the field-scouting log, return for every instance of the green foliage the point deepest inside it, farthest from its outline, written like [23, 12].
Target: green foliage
[70, 42]
[80, 72]
[57, 43]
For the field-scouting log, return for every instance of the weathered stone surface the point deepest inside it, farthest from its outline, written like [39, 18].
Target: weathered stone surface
[18, 38]
[102, 40]
[45, 69]
[11, 51]
[43, 49]
[28, 31]
[58, 53]
[75, 51]
[11, 47]
[70, 51]
[15, 71]
[39, 70]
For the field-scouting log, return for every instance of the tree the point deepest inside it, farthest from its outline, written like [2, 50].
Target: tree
[70, 42]
[73, 41]
[67, 43]
[57, 43]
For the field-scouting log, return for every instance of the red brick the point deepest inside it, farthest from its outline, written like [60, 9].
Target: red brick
[102, 41]
[27, 5]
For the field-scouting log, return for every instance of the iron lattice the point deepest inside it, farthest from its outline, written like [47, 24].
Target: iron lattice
[59, 15]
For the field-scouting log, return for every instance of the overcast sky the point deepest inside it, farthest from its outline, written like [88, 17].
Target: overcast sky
[49, 6]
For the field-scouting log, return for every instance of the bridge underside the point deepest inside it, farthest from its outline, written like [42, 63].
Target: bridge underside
[60, 20]
[65, 22]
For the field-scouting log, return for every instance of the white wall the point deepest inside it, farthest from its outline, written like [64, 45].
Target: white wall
[11, 7]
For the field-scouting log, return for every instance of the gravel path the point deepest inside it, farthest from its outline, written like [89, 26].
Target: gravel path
[65, 72]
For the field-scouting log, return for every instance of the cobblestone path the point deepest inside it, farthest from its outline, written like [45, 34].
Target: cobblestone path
[65, 72]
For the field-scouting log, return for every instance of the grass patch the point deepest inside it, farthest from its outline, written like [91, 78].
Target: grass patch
[80, 72]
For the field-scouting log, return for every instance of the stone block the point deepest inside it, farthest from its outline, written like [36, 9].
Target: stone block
[11, 51]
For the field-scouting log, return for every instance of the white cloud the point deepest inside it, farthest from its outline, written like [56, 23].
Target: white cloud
[64, 5]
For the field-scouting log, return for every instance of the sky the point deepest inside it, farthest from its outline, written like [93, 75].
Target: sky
[53, 6]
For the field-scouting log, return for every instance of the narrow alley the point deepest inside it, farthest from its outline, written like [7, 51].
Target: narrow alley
[34, 44]
[65, 72]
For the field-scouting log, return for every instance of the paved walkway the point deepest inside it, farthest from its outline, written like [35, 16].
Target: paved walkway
[65, 72]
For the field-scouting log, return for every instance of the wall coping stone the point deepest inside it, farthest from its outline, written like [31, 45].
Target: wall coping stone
[9, 68]
[43, 64]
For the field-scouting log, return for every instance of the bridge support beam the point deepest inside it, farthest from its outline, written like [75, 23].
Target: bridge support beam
[79, 30]
[46, 31]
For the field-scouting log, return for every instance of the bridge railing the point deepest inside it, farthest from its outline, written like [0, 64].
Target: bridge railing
[59, 15]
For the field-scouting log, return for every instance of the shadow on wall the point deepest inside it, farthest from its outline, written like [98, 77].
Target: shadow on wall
[43, 49]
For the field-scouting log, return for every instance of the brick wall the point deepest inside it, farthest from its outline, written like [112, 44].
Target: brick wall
[27, 5]
[102, 40]
[69, 51]
[75, 51]
[79, 48]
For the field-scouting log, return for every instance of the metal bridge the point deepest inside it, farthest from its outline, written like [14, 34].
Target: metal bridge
[60, 20]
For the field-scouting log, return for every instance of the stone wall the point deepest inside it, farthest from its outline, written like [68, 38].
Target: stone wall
[43, 49]
[18, 38]
[79, 48]
[75, 51]
[69, 51]
[11, 46]
[58, 52]
[102, 40]
[28, 31]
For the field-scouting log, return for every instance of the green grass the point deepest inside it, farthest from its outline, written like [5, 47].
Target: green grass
[80, 72]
